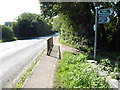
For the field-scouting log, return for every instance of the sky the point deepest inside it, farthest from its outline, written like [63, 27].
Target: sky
[11, 9]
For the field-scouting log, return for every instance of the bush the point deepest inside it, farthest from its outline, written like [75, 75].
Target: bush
[30, 25]
[75, 72]
[7, 33]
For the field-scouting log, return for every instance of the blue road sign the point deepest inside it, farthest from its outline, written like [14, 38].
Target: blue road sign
[103, 20]
[105, 12]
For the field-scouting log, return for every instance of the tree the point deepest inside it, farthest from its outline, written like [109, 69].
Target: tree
[30, 25]
[75, 22]
[110, 33]
[116, 36]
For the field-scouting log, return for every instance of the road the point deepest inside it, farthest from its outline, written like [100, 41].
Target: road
[15, 55]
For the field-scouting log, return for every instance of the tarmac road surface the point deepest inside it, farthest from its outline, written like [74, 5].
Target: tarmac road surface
[17, 54]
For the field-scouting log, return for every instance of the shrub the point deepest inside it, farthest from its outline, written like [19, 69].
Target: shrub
[30, 25]
[7, 33]
[75, 72]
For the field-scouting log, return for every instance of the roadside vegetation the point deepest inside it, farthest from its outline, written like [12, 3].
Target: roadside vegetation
[74, 21]
[28, 25]
[74, 72]
[107, 61]
[7, 33]
[112, 70]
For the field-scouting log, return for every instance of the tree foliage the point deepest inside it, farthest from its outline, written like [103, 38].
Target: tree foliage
[30, 25]
[75, 20]
[7, 32]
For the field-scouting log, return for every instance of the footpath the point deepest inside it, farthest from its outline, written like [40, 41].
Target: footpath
[44, 74]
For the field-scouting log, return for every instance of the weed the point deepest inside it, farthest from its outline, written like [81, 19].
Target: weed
[75, 72]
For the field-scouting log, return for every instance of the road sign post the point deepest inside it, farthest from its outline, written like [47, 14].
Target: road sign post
[101, 17]
[95, 27]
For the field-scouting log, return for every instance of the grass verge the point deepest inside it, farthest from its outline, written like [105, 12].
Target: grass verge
[76, 45]
[74, 72]
[108, 61]
[64, 42]
[28, 71]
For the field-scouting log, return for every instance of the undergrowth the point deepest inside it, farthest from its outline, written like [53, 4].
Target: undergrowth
[78, 46]
[74, 72]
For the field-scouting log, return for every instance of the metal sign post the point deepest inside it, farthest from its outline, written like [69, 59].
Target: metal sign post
[95, 27]
[101, 17]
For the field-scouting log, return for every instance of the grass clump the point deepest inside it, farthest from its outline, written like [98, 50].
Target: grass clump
[74, 72]
[64, 42]
[28, 72]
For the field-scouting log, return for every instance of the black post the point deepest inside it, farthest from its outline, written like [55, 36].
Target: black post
[59, 52]
[49, 45]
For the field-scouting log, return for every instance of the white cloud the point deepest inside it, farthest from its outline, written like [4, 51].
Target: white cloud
[11, 9]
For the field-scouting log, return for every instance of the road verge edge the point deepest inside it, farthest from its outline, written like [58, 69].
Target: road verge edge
[28, 71]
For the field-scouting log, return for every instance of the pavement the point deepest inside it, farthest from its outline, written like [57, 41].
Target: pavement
[44, 73]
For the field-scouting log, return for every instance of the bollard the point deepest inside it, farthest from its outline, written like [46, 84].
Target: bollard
[59, 52]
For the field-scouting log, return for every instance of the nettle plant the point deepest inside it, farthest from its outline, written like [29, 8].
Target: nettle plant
[106, 65]
[113, 71]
